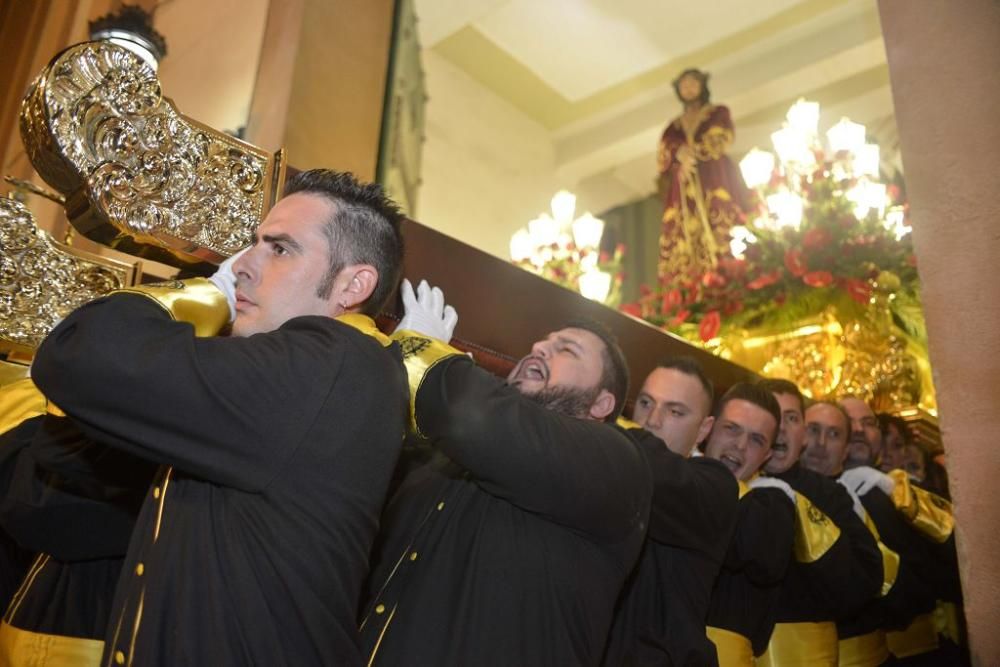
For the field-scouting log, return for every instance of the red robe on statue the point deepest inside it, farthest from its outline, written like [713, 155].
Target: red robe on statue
[703, 203]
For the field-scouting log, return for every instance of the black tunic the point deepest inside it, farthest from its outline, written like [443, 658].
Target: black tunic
[276, 450]
[75, 502]
[14, 558]
[745, 596]
[849, 575]
[660, 619]
[511, 546]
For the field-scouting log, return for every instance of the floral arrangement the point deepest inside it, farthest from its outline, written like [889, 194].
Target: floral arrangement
[823, 234]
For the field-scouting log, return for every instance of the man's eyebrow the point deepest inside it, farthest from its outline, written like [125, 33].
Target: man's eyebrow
[282, 238]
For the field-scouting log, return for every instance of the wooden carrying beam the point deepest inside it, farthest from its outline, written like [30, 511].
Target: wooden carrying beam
[503, 309]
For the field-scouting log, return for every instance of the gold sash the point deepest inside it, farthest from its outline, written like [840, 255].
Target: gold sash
[918, 637]
[864, 650]
[801, 645]
[733, 649]
[34, 649]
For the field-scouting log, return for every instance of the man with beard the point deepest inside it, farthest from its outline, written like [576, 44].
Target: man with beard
[660, 618]
[510, 547]
[815, 594]
[741, 612]
[862, 639]
[276, 443]
[927, 514]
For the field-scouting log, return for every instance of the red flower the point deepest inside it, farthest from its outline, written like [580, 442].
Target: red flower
[732, 307]
[674, 298]
[620, 249]
[764, 281]
[603, 257]
[794, 262]
[815, 238]
[847, 221]
[680, 318]
[632, 309]
[859, 290]
[644, 289]
[780, 298]
[818, 278]
[713, 279]
[734, 268]
[710, 325]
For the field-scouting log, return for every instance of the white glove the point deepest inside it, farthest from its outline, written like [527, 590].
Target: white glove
[859, 509]
[772, 483]
[225, 279]
[426, 312]
[864, 479]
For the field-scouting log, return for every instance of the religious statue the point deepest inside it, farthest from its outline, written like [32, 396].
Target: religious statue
[703, 193]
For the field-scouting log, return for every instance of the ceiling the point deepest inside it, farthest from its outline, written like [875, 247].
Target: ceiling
[597, 73]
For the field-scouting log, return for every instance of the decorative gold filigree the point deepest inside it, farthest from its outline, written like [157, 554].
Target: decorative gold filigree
[41, 280]
[867, 358]
[138, 175]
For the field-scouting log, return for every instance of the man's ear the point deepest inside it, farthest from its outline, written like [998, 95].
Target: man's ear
[357, 282]
[705, 428]
[603, 405]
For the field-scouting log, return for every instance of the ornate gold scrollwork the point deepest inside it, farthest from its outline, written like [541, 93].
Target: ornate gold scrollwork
[138, 175]
[41, 280]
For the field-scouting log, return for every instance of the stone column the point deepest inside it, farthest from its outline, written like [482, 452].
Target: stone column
[944, 63]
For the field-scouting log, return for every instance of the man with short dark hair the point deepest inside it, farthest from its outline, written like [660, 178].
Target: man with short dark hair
[742, 607]
[512, 544]
[276, 444]
[816, 593]
[660, 618]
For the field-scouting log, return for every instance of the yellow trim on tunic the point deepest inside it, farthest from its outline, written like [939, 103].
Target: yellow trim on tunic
[864, 650]
[920, 636]
[801, 645]
[890, 559]
[19, 402]
[365, 325]
[927, 512]
[626, 423]
[733, 649]
[196, 301]
[35, 649]
[420, 355]
[815, 533]
[947, 621]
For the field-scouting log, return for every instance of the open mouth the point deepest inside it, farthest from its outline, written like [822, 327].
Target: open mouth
[731, 462]
[533, 368]
[779, 447]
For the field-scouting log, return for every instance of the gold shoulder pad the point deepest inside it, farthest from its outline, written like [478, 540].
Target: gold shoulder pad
[21, 401]
[420, 355]
[927, 512]
[196, 301]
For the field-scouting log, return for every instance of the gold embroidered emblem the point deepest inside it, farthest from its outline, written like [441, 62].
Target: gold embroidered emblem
[816, 516]
[411, 346]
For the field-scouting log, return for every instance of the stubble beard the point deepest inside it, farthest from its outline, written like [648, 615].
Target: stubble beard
[569, 401]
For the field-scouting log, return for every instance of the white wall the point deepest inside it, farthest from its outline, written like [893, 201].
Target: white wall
[487, 168]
